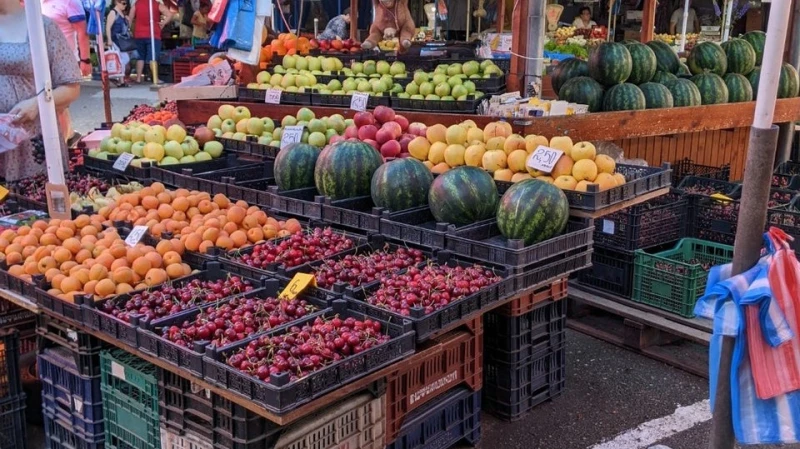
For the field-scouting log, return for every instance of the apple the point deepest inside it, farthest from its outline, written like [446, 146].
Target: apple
[125, 133]
[384, 114]
[373, 143]
[405, 139]
[367, 132]
[137, 135]
[383, 135]
[390, 149]
[394, 128]
[153, 135]
[240, 113]
[337, 139]
[402, 121]
[123, 146]
[228, 126]
[137, 149]
[202, 156]
[351, 132]
[363, 119]
[173, 149]
[176, 133]
[168, 160]
[187, 160]
[212, 148]
[417, 128]
[225, 112]
[239, 136]
[203, 135]
[254, 126]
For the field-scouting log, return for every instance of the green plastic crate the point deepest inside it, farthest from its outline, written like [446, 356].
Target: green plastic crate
[130, 401]
[673, 280]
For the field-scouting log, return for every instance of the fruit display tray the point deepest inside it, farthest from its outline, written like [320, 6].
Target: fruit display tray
[299, 202]
[655, 222]
[428, 325]
[249, 171]
[187, 180]
[788, 219]
[83, 347]
[254, 192]
[454, 417]
[788, 168]
[282, 395]
[108, 167]
[359, 213]
[343, 101]
[191, 358]
[611, 271]
[15, 284]
[418, 226]
[249, 147]
[469, 106]
[247, 95]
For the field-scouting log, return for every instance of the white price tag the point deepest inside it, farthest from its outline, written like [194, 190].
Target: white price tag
[123, 160]
[544, 158]
[608, 227]
[291, 135]
[78, 404]
[273, 96]
[558, 108]
[118, 370]
[359, 101]
[136, 235]
[72, 335]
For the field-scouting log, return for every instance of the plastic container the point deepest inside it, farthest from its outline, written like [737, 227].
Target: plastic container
[12, 422]
[259, 96]
[543, 368]
[418, 226]
[652, 223]
[67, 393]
[788, 219]
[83, 348]
[249, 146]
[16, 318]
[343, 101]
[130, 401]
[788, 168]
[687, 167]
[513, 340]
[454, 417]
[673, 280]
[10, 381]
[611, 271]
[299, 203]
[357, 213]
[530, 299]
[697, 185]
[248, 172]
[469, 106]
[69, 311]
[59, 435]
[187, 440]
[442, 364]
[791, 182]
[282, 395]
[15, 284]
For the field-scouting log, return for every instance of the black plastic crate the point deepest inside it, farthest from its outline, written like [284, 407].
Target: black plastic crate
[544, 368]
[418, 226]
[557, 268]
[687, 167]
[185, 179]
[84, 348]
[695, 185]
[611, 271]
[655, 222]
[791, 182]
[12, 422]
[281, 395]
[60, 435]
[16, 318]
[15, 284]
[469, 106]
[68, 311]
[300, 203]
[788, 168]
[442, 423]
[10, 381]
[357, 213]
[258, 170]
[247, 95]
[68, 394]
[427, 325]
[513, 340]
[107, 166]
[343, 100]
[249, 146]
[254, 192]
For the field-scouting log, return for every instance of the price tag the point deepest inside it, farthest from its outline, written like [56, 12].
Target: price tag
[359, 101]
[123, 160]
[3, 192]
[78, 404]
[118, 370]
[136, 235]
[558, 108]
[299, 282]
[273, 96]
[608, 227]
[544, 158]
[291, 135]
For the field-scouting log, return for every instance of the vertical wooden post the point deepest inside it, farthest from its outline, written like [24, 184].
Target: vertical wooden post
[501, 15]
[519, 46]
[648, 20]
[354, 19]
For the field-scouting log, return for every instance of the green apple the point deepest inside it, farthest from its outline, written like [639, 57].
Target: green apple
[305, 114]
[255, 126]
[397, 68]
[265, 140]
[317, 125]
[454, 81]
[403, 95]
[213, 148]
[470, 86]
[187, 160]
[269, 125]
[202, 157]
[124, 146]
[382, 67]
[358, 67]
[442, 90]
[330, 133]
[137, 134]
[454, 69]
[240, 136]
[432, 97]
[105, 144]
[94, 152]
[420, 77]
[173, 149]
[412, 88]
[317, 139]
[228, 126]
[288, 121]
[370, 67]
[459, 91]
[169, 160]
[417, 97]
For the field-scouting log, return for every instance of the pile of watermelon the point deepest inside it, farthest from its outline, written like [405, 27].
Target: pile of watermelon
[631, 75]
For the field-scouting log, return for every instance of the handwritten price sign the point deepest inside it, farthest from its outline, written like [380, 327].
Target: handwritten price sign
[359, 101]
[544, 158]
[136, 235]
[123, 161]
[291, 135]
[273, 96]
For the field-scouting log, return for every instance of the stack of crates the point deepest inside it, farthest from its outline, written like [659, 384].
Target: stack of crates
[12, 399]
[69, 370]
[24, 321]
[525, 352]
[129, 389]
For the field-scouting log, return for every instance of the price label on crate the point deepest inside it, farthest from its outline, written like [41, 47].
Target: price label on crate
[359, 101]
[544, 158]
[291, 135]
[136, 235]
[608, 227]
[123, 160]
[299, 282]
[273, 96]
[117, 370]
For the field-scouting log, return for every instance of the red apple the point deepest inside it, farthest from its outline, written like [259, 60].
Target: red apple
[363, 118]
[384, 114]
[384, 135]
[394, 128]
[373, 143]
[402, 121]
[390, 148]
[351, 132]
[203, 135]
[404, 155]
[337, 139]
[405, 139]
[417, 128]
[367, 132]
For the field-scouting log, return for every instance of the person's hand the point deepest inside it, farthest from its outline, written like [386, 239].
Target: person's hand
[86, 69]
[25, 111]
[406, 44]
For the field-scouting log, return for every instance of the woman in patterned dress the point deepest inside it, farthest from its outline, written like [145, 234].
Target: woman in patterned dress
[18, 88]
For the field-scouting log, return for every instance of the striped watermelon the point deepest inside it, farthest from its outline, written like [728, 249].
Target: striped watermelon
[532, 211]
[566, 70]
[294, 166]
[741, 56]
[345, 169]
[401, 184]
[624, 97]
[666, 58]
[663, 77]
[787, 87]
[644, 63]
[463, 195]
[739, 88]
[758, 39]
[683, 69]
[610, 63]
[712, 88]
[684, 93]
[583, 90]
[707, 57]
[656, 96]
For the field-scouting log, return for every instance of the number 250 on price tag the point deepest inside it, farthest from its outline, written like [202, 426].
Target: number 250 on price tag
[359, 101]
[291, 135]
[544, 158]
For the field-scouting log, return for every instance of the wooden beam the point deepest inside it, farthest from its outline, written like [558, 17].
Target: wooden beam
[519, 46]
[648, 20]
[354, 19]
[501, 15]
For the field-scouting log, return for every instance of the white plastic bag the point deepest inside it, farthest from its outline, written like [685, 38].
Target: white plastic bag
[114, 65]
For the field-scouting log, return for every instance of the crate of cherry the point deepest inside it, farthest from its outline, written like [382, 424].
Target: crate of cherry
[652, 223]
[121, 315]
[687, 167]
[83, 348]
[435, 297]
[181, 339]
[788, 219]
[453, 417]
[439, 366]
[288, 367]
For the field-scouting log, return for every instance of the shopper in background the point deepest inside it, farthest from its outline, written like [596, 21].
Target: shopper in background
[118, 33]
[19, 87]
[339, 27]
[141, 19]
[584, 20]
[200, 23]
[676, 22]
[70, 17]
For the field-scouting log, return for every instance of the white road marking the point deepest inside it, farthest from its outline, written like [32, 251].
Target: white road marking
[650, 432]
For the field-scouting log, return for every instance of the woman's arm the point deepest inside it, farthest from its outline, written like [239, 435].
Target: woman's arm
[112, 16]
[195, 22]
[132, 15]
[167, 13]
[63, 96]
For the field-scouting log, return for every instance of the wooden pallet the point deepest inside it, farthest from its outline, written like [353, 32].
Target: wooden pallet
[674, 340]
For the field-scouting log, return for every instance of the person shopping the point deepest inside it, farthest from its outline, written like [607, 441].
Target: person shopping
[141, 19]
[118, 33]
[201, 24]
[19, 87]
[339, 27]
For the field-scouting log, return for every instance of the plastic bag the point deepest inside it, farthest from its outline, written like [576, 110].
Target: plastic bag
[113, 61]
[11, 134]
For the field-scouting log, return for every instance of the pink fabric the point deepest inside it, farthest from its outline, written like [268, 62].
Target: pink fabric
[65, 13]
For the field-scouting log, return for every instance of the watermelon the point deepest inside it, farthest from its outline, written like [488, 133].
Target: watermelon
[624, 97]
[532, 211]
[787, 87]
[566, 70]
[683, 69]
[294, 166]
[610, 63]
[741, 56]
[583, 90]
[345, 169]
[401, 184]
[463, 195]
[663, 77]
[707, 57]
[684, 93]
[666, 58]
[758, 39]
[644, 63]
[712, 88]
[656, 96]
[739, 88]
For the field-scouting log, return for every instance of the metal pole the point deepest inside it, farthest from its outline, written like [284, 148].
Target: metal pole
[103, 71]
[153, 63]
[726, 31]
[787, 133]
[683, 25]
[534, 65]
[753, 212]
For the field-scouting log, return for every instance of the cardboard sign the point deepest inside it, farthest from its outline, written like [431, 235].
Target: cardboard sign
[136, 235]
[359, 101]
[291, 135]
[544, 158]
[123, 160]
[299, 282]
[273, 96]
[608, 227]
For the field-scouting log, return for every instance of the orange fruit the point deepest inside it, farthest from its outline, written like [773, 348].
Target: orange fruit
[211, 234]
[70, 284]
[155, 276]
[105, 287]
[89, 287]
[171, 257]
[205, 246]
[105, 259]
[155, 259]
[164, 198]
[46, 263]
[142, 265]
[98, 272]
[119, 263]
[224, 242]
[165, 211]
[67, 266]
[181, 204]
[175, 271]
[177, 246]
[293, 226]
[221, 201]
[164, 246]
[51, 273]
[239, 238]
[157, 187]
[255, 235]
[150, 202]
[236, 214]
[193, 241]
[81, 274]
[64, 233]
[31, 268]
[83, 255]
[122, 275]
[119, 251]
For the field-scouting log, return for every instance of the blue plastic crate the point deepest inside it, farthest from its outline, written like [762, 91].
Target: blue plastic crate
[442, 423]
[60, 435]
[12, 422]
[65, 389]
